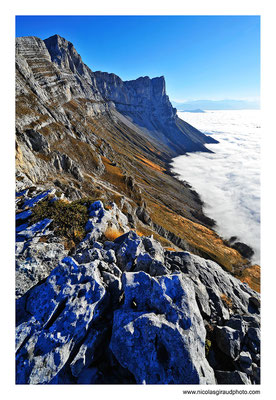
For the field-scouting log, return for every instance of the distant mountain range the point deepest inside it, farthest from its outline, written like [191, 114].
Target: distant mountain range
[217, 105]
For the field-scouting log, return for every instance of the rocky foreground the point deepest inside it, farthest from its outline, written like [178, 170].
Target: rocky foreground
[125, 310]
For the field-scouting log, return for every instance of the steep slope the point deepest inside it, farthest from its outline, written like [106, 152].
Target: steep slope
[91, 134]
[104, 293]
[143, 101]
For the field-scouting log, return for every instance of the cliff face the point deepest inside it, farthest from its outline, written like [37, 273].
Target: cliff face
[112, 252]
[55, 76]
[87, 131]
[143, 96]
[143, 101]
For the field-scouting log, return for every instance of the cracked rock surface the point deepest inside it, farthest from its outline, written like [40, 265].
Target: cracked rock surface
[127, 311]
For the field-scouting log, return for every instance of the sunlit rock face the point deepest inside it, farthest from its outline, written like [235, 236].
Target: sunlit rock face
[159, 334]
[56, 71]
[127, 311]
[54, 68]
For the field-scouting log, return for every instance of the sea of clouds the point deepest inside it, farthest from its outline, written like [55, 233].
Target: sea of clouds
[227, 180]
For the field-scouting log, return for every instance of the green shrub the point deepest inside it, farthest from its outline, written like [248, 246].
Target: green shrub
[69, 219]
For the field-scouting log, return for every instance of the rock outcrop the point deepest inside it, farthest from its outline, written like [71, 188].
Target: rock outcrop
[128, 311]
[35, 258]
[158, 333]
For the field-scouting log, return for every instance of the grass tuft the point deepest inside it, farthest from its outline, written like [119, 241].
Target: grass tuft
[227, 301]
[170, 249]
[112, 233]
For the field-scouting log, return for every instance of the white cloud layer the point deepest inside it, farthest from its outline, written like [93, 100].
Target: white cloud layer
[228, 181]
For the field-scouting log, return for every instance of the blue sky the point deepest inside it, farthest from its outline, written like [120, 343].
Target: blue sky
[201, 57]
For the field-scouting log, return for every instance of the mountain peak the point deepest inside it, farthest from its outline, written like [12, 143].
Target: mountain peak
[143, 101]
[64, 54]
[57, 39]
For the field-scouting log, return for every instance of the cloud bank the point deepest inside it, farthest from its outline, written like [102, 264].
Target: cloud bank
[228, 180]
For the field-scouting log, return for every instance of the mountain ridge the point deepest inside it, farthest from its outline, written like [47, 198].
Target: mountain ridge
[120, 277]
[143, 100]
[67, 128]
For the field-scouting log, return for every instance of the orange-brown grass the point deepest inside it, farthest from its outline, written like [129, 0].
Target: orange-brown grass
[112, 233]
[113, 174]
[226, 300]
[151, 164]
[251, 275]
[170, 249]
[68, 244]
[43, 239]
[44, 157]
[84, 101]
[71, 105]
[153, 150]
[200, 238]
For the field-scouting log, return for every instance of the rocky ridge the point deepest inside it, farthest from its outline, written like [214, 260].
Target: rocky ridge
[127, 311]
[91, 134]
[114, 256]
[143, 101]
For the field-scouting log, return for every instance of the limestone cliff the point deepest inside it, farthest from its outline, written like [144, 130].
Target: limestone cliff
[119, 275]
[143, 101]
[86, 131]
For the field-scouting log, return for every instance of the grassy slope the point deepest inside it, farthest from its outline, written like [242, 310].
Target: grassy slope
[170, 203]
